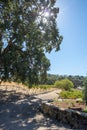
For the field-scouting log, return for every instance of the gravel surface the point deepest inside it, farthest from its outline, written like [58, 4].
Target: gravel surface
[20, 111]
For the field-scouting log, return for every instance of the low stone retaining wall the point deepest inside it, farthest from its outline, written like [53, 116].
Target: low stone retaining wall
[76, 119]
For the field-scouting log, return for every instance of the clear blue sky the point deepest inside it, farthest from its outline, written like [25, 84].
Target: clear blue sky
[72, 24]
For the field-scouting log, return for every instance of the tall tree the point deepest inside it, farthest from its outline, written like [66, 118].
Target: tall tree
[28, 29]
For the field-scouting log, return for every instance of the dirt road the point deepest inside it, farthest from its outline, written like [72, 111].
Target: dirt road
[20, 111]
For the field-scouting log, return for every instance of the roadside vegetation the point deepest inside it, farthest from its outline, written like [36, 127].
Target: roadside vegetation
[85, 91]
[70, 95]
[73, 94]
[65, 84]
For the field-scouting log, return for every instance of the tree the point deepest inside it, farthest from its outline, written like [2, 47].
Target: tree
[44, 68]
[27, 30]
[77, 80]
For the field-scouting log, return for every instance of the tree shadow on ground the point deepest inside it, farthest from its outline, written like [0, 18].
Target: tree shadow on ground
[20, 111]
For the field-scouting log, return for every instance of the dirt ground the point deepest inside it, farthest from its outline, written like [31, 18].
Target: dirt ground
[19, 110]
[70, 104]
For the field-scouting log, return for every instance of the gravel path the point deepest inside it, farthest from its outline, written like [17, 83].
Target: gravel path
[19, 111]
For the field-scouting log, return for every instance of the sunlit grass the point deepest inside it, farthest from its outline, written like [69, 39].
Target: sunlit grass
[43, 86]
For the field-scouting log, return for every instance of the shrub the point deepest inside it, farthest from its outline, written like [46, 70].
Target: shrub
[85, 110]
[85, 91]
[27, 83]
[71, 94]
[65, 84]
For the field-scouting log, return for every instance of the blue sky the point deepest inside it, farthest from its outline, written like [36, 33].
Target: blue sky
[72, 24]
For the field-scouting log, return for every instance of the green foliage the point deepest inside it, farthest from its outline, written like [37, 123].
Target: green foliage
[85, 91]
[71, 94]
[85, 110]
[65, 84]
[51, 78]
[77, 80]
[26, 33]
[27, 83]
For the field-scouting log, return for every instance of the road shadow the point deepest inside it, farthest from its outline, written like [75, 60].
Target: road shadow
[21, 112]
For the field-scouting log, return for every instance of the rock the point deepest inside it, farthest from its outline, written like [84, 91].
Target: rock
[79, 100]
[79, 88]
[60, 100]
[72, 117]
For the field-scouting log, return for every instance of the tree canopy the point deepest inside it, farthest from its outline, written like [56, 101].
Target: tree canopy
[76, 79]
[28, 29]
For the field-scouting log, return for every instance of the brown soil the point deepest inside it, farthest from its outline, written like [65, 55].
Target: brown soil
[70, 104]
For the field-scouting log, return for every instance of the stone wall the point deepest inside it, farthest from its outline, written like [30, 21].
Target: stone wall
[74, 118]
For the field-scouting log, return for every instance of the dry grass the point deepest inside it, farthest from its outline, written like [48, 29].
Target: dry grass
[19, 87]
[12, 84]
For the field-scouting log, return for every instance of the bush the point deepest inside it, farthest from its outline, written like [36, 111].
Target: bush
[85, 110]
[27, 83]
[85, 91]
[71, 94]
[65, 84]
